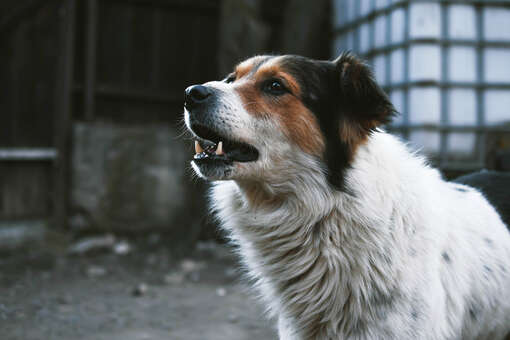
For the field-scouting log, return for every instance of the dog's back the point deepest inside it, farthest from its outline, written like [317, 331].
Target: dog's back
[495, 186]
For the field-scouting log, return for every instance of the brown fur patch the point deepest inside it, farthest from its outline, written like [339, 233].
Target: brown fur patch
[244, 68]
[299, 124]
[354, 134]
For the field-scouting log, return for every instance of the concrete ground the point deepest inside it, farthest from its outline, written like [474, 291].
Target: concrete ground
[142, 294]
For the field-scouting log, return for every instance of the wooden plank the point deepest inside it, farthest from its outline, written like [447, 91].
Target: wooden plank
[196, 6]
[156, 47]
[127, 42]
[134, 94]
[28, 154]
[109, 43]
[141, 47]
[63, 116]
[90, 60]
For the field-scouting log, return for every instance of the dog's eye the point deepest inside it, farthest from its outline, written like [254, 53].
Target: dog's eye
[230, 78]
[274, 87]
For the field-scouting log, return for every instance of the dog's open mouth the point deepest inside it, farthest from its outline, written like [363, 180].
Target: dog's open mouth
[212, 147]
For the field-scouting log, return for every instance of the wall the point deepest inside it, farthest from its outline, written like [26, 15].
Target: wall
[134, 180]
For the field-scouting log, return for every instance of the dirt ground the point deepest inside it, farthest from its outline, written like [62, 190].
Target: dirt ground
[144, 294]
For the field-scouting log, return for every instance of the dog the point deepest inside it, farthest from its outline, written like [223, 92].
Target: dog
[346, 233]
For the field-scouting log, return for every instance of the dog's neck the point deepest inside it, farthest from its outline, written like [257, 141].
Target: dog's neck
[307, 246]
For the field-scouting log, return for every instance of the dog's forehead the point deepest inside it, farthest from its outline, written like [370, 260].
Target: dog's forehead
[265, 63]
[251, 65]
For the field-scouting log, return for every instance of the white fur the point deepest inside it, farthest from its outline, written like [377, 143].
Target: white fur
[400, 254]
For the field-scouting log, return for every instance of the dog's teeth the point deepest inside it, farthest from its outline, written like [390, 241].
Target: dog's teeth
[198, 147]
[219, 149]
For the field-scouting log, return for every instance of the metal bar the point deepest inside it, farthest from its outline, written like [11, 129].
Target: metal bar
[444, 94]
[388, 9]
[446, 43]
[356, 31]
[447, 84]
[387, 54]
[450, 128]
[108, 91]
[371, 41]
[406, 104]
[480, 114]
[28, 154]
[90, 60]
[63, 117]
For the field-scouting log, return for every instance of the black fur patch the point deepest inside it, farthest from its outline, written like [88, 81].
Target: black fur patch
[446, 257]
[473, 313]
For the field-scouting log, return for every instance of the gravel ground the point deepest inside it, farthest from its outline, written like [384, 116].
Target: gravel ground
[143, 294]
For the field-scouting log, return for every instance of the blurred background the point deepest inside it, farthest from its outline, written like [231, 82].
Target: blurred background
[103, 232]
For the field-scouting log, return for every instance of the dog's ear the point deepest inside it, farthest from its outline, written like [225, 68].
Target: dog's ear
[358, 107]
[362, 100]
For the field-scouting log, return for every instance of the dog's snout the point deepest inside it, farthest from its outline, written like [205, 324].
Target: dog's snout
[196, 94]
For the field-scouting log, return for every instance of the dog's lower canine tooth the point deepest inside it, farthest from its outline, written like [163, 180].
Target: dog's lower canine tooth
[219, 149]
[198, 147]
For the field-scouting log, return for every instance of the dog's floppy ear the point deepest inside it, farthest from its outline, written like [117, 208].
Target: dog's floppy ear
[362, 100]
[358, 108]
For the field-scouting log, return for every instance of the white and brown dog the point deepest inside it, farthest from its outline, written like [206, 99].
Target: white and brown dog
[347, 233]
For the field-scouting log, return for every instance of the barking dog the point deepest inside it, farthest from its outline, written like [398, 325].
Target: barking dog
[347, 234]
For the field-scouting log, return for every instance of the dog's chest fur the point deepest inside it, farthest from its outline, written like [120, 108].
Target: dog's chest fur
[397, 255]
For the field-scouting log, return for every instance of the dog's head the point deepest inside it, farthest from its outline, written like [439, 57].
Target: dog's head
[275, 115]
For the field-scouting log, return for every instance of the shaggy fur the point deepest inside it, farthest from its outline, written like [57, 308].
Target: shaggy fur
[383, 248]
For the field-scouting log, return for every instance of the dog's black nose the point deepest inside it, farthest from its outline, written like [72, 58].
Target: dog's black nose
[196, 94]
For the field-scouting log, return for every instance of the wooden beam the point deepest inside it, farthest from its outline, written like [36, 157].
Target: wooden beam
[90, 60]
[111, 91]
[63, 125]
[28, 154]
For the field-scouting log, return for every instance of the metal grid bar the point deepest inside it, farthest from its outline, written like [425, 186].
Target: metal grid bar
[28, 154]
[442, 43]
[371, 42]
[480, 114]
[406, 105]
[387, 54]
[444, 95]
[90, 60]
[450, 128]
[356, 31]
[447, 84]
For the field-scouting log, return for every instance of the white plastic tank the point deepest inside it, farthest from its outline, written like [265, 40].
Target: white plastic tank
[445, 65]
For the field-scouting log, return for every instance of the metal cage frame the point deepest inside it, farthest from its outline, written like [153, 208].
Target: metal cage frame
[481, 129]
